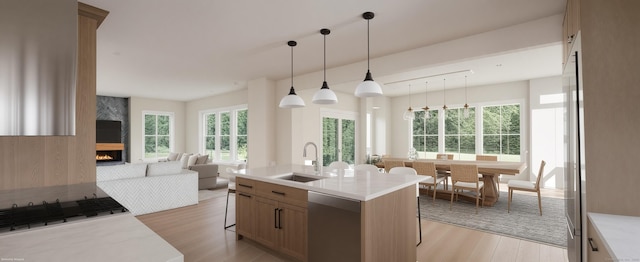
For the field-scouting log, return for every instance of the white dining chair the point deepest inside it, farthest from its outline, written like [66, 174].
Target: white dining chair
[338, 165]
[367, 167]
[401, 170]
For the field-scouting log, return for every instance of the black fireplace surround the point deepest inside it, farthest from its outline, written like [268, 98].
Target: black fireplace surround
[108, 132]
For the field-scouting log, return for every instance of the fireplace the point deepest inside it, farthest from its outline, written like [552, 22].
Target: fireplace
[109, 148]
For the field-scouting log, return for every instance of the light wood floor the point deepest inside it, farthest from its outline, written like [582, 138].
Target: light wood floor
[197, 232]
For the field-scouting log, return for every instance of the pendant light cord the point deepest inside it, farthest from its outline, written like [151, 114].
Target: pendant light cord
[368, 45]
[292, 67]
[325, 58]
[465, 90]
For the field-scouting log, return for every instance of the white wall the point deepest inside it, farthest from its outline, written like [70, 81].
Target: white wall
[137, 106]
[547, 130]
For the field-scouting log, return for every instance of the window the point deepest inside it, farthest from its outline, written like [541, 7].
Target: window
[425, 134]
[158, 134]
[460, 133]
[224, 134]
[501, 131]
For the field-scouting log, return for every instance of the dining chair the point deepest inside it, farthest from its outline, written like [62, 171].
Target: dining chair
[527, 186]
[339, 165]
[367, 167]
[389, 164]
[402, 170]
[442, 156]
[443, 173]
[465, 177]
[489, 158]
[428, 169]
[231, 189]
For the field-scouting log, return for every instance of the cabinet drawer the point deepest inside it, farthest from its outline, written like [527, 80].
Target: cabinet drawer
[293, 196]
[245, 185]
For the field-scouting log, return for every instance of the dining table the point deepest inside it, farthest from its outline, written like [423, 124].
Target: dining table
[490, 171]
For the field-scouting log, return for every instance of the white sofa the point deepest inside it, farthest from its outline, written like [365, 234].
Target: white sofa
[146, 188]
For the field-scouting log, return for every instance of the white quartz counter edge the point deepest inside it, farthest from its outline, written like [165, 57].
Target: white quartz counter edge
[620, 235]
[272, 178]
[119, 237]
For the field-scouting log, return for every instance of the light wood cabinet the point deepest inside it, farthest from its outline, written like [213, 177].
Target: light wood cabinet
[245, 216]
[596, 251]
[272, 215]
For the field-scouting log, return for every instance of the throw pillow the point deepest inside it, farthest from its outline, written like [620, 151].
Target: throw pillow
[202, 160]
[185, 160]
[192, 160]
[172, 156]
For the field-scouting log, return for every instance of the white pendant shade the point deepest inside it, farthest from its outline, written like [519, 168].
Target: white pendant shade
[368, 88]
[291, 101]
[325, 96]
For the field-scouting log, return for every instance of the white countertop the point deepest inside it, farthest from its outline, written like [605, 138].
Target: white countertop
[109, 238]
[620, 235]
[351, 184]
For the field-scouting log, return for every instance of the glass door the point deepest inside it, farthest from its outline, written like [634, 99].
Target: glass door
[338, 139]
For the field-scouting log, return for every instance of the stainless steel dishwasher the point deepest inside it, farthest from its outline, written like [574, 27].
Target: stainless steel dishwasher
[333, 228]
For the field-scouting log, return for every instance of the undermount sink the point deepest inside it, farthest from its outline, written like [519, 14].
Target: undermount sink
[303, 178]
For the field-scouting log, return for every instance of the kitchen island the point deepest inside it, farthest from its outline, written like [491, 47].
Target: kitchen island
[275, 206]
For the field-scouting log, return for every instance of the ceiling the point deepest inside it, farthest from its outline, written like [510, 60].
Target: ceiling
[185, 50]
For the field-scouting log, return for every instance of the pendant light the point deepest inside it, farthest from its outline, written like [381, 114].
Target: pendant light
[465, 111]
[368, 87]
[409, 114]
[291, 100]
[444, 93]
[325, 95]
[426, 108]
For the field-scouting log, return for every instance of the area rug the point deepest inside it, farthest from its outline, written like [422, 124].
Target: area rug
[523, 222]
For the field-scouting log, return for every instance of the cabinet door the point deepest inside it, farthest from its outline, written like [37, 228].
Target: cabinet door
[595, 246]
[265, 221]
[245, 214]
[292, 233]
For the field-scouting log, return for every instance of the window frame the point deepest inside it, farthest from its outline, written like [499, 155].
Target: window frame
[479, 129]
[233, 133]
[171, 116]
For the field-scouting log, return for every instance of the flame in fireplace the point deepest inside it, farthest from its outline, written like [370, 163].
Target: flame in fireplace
[104, 157]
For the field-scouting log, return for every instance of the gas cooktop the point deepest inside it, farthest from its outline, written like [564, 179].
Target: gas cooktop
[26, 208]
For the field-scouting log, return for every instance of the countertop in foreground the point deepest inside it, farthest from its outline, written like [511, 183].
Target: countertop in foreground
[350, 184]
[620, 235]
[109, 238]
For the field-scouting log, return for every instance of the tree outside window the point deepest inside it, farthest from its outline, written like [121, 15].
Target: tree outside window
[425, 134]
[242, 118]
[460, 133]
[210, 135]
[157, 135]
[501, 131]
[224, 135]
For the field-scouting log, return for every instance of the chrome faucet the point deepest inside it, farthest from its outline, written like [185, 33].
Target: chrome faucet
[304, 154]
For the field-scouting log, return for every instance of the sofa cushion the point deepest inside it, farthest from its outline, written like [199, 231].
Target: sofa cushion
[164, 168]
[172, 156]
[184, 160]
[115, 172]
[202, 160]
[192, 160]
